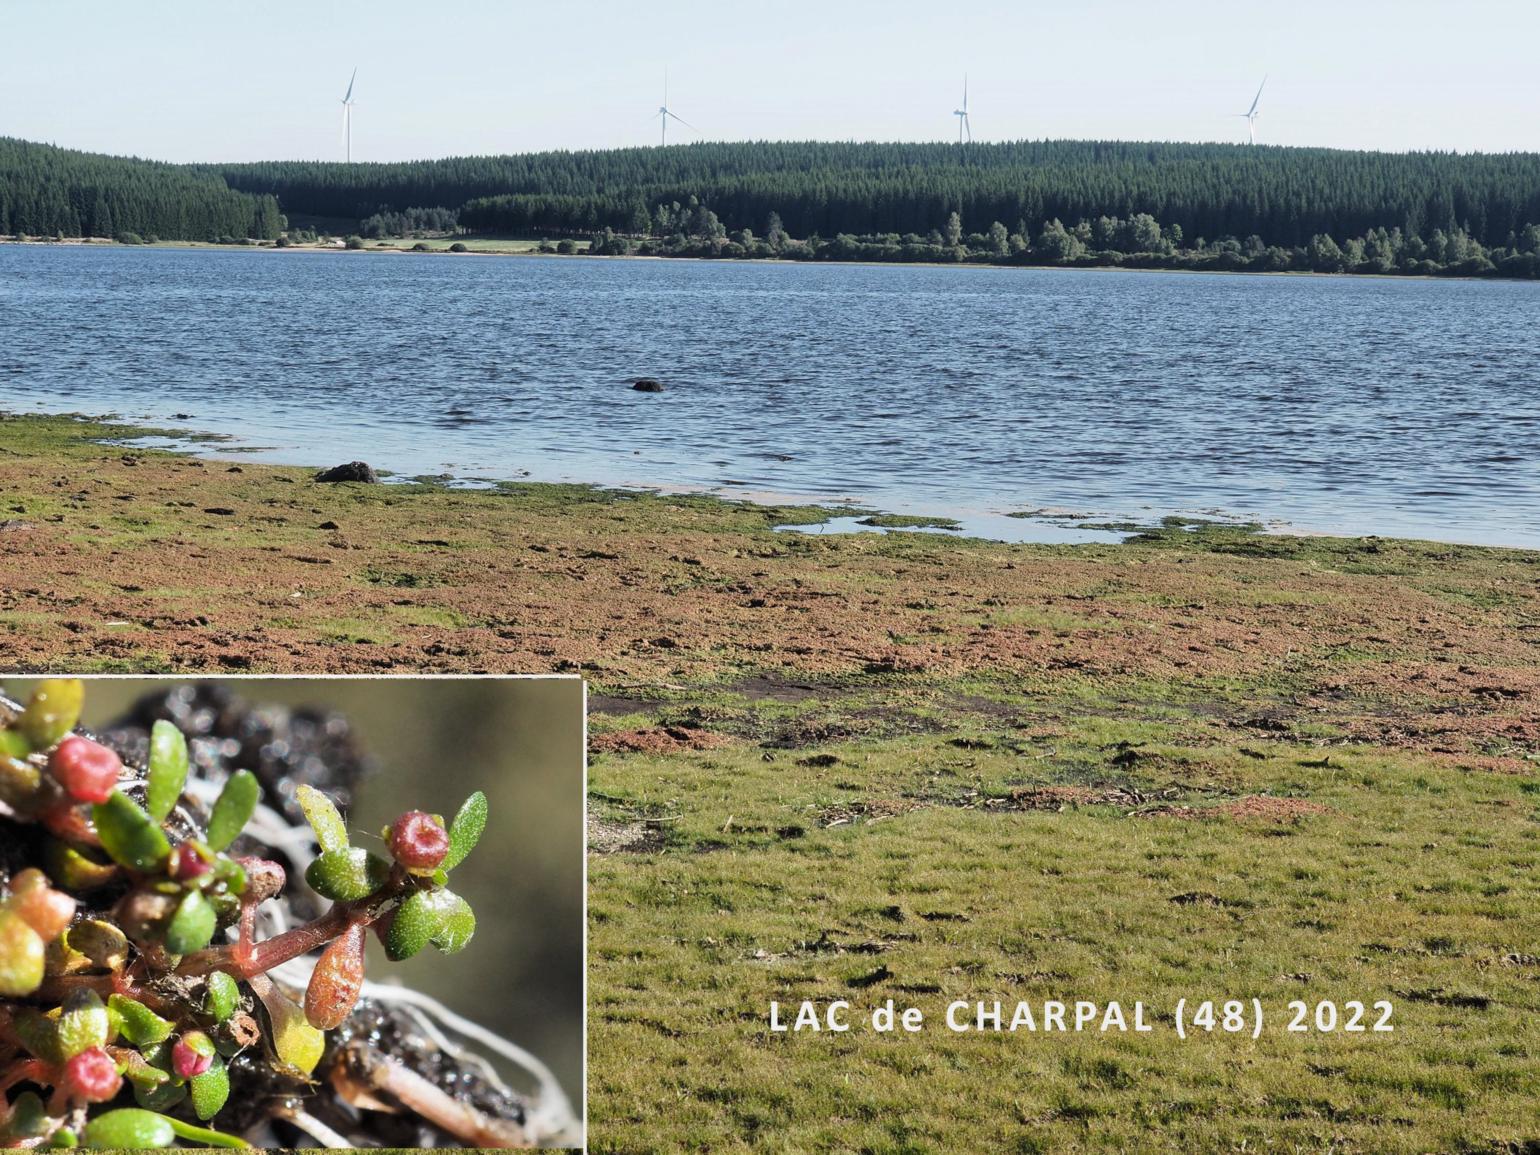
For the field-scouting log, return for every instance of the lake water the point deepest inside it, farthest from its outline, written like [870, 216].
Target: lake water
[1339, 405]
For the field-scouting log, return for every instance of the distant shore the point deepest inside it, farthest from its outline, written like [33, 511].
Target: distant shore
[527, 247]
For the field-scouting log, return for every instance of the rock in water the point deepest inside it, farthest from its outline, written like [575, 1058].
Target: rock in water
[352, 471]
[647, 385]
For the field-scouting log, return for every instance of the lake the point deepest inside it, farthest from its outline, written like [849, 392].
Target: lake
[1323, 404]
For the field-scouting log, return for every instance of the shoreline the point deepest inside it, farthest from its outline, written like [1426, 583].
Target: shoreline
[991, 521]
[394, 248]
[127, 558]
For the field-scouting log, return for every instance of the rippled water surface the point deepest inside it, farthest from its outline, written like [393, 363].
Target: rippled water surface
[1341, 405]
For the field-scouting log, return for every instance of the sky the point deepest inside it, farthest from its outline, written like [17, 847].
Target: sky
[230, 80]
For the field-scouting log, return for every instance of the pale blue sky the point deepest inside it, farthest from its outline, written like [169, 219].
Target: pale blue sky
[242, 80]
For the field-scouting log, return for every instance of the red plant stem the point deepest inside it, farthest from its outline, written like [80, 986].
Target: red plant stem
[67, 822]
[28, 1070]
[246, 958]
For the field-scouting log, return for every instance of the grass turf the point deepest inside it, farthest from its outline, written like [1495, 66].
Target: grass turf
[1174, 860]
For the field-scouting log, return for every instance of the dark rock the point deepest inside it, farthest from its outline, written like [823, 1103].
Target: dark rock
[352, 471]
[328, 525]
[181, 417]
[647, 385]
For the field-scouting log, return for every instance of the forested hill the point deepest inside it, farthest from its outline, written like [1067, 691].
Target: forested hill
[48, 191]
[895, 196]
[1283, 195]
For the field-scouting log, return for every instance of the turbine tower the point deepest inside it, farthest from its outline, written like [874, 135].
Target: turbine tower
[664, 113]
[347, 117]
[1251, 113]
[963, 124]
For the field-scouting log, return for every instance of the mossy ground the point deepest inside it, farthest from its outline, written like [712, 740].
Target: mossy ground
[936, 766]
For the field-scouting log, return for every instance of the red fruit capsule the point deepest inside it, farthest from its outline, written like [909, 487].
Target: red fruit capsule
[417, 841]
[44, 909]
[188, 1061]
[188, 863]
[336, 981]
[87, 770]
[91, 1077]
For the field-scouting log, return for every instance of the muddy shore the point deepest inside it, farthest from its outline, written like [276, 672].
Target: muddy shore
[149, 560]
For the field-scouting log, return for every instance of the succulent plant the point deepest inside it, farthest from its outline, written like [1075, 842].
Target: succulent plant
[130, 964]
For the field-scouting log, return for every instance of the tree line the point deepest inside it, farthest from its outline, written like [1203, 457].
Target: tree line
[48, 191]
[1284, 195]
[1213, 203]
[1140, 241]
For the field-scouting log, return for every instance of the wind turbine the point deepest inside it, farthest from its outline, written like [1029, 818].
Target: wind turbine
[963, 124]
[664, 113]
[1251, 113]
[347, 116]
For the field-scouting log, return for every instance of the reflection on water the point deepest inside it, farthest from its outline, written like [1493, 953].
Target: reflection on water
[1333, 404]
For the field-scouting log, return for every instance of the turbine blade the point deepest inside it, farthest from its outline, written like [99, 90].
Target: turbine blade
[1258, 97]
[683, 121]
[351, 79]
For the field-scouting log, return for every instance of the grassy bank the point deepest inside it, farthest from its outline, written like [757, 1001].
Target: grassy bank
[1063, 849]
[1203, 763]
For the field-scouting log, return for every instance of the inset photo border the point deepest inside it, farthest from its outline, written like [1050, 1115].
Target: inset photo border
[293, 912]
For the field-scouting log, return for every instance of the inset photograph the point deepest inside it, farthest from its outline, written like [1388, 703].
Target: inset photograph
[292, 913]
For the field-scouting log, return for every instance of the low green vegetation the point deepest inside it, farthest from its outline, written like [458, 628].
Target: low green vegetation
[974, 842]
[909, 521]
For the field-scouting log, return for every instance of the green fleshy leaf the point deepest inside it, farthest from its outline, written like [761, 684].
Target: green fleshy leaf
[129, 1127]
[130, 836]
[168, 768]
[192, 926]
[141, 1073]
[64, 1138]
[83, 1023]
[412, 926]
[139, 1026]
[331, 833]
[159, 1096]
[221, 995]
[167, 1092]
[348, 874]
[19, 779]
[440, 917]
[28, 1118]
[14, 744]
[52, 712]
[71, 869]
[204, 1137]
[465, 830]
[209, 1090]
[232, 874]
[102, 945]
[38, 1035]
[23, 955]
[237, 803]
[457, 922]
[294, 1040]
